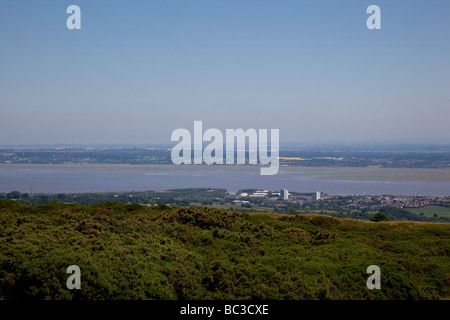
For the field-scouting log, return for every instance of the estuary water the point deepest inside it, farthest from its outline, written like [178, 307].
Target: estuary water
[114, 178]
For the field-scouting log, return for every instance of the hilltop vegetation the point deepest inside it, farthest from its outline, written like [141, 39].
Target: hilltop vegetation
[130, 251]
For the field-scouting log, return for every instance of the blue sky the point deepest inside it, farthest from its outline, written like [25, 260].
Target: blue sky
[137, 70]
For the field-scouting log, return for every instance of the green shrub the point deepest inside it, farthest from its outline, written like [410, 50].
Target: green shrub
[380, 216]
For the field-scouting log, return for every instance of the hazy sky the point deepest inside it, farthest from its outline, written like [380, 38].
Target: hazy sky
[137, 70]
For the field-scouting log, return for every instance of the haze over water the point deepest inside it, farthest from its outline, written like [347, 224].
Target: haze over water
[115, 178]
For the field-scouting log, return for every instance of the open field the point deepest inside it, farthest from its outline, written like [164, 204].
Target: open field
[430, 211]
[137, 252]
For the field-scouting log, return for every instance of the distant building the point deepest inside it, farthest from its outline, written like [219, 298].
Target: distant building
[259, 194]
[241, 201]
[284, 194]
[316, 195]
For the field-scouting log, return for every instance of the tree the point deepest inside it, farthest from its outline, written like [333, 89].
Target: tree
[380, 216]
[13, 195]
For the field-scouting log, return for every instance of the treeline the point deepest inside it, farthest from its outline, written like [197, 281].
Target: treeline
[182, 197]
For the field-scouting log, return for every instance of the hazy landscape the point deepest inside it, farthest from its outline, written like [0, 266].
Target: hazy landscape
[127, 129]
[141, 235]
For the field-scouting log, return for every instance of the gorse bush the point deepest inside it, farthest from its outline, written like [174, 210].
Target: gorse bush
[129, 251]
[380, 216]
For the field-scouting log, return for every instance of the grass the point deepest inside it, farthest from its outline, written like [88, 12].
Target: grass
[430, 211]
[325, 211]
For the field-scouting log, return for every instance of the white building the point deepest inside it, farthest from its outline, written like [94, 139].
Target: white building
[259, 194]
[316, 195]
[284, 194]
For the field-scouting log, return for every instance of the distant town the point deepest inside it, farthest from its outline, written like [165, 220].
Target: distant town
[413, 208]
[417, 208]
[342, 206]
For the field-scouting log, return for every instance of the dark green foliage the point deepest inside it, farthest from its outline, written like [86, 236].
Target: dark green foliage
[400, 214]
[380, 216]
[130, 251]
[182, 197]
[13, 195]
[324, 221]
